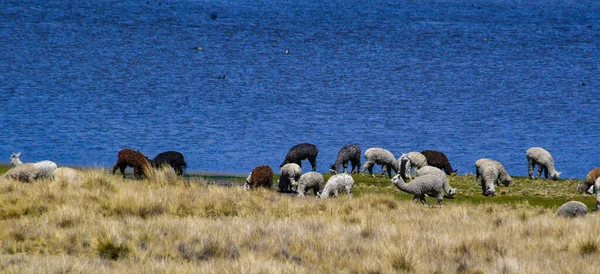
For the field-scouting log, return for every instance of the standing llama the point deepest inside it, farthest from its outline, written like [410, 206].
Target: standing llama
[300, 152]
[173, 158]
[429, 184]
[439, 160]
[503, 177]
[588, 183]
[348, 153]
[261, 176]
[414, 160]
[381, 157]
[543, 159]
[336, 184]
[137, 160]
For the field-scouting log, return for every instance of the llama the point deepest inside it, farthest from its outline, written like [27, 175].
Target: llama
[261, 176]
[300, 152]
[504, 178]
[27, 173]
[137, 160]
[489, 174]
[431, 185]
[439, 160]
[45, 167]
[173, 158]
[310, 180]
[381, 157]
[67, 174]
[348, 153]
[590, 179]
[542, 158]
[336, 184]
[450, 192]
[572, 209]
[414, 160]
[289, 175]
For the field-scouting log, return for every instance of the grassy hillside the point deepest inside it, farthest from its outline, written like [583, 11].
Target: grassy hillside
[104, 224]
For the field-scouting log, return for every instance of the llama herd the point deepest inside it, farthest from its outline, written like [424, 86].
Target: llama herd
[29, 172]
[429, 167]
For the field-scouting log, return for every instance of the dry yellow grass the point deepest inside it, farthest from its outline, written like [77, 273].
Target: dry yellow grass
[106, 224]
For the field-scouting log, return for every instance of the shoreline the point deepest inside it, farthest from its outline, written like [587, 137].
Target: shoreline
[6, 165]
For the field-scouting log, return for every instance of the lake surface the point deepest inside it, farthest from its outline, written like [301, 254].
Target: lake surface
[81, 80]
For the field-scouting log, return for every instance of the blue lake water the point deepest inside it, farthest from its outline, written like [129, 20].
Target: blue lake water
[81, 80]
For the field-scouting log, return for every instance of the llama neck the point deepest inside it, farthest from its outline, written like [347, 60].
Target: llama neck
[408, 188]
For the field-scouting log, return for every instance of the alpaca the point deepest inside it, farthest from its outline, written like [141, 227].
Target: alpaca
[261, 176]
[336, 184]
[67, 174]
[439, 160]
[45, 167]
[300, 152]
[289, 175]
[410, 160]
[137, 160]
[24, 172]
[381, 157]
[489, 174]
[431, 185]
[348, 153]
[504, 178]
[572, 209]
[590, 179]
[310, 180]
[431, 170]
[172, 158]
[542, 158]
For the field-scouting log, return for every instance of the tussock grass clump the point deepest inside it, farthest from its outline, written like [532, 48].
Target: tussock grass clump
[588, 247]
[111, 247]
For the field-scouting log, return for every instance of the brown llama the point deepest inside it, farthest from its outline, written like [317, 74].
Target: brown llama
[132, 158]
[261, 176]
[589, 181]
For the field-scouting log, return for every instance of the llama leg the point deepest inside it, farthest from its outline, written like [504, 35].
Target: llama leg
[530, 167]
[367, 166]
[415, 198]
[422, 198]
[545, 172]
[540, 171]
[313, 163]
[345, 166]
[476, 175]
[354, 167]
[349, 191]
[440, 198]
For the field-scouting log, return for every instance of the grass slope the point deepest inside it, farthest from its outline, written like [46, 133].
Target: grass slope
[102, 223]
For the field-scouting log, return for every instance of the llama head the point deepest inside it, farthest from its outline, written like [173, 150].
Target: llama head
[583, 188]
[452, 192]
[556, 175]
[247, 182]
[397, 179]
[489, 190]
[14, 159]
[333, 169]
